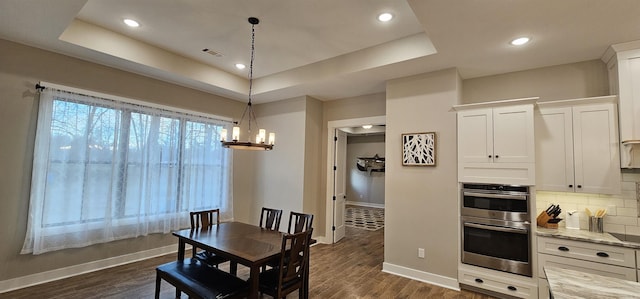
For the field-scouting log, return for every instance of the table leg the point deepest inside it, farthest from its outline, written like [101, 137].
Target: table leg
[305, 282]
[181, 246]
[253, 282]
[233, 268]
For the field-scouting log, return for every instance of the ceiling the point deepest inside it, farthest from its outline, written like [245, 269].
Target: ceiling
[327, 49]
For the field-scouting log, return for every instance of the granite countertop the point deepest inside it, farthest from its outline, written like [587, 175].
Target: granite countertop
[584, 235]
[564, 283]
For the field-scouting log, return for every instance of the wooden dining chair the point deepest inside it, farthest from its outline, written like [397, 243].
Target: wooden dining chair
[291, 273]
[207, 219]
[300, 222]
[270, 218]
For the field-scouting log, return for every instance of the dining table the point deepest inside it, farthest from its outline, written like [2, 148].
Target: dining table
[245, 244]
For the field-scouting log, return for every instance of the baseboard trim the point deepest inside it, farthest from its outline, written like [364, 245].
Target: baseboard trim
[57, 274]
[365, 204]
[322, 240]
[434, 279]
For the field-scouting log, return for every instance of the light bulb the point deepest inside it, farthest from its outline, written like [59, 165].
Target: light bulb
[223, 135]
[235, 134]
[262, 135]
[272, 138]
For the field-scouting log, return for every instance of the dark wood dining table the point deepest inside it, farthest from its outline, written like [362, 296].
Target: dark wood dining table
[245, 244]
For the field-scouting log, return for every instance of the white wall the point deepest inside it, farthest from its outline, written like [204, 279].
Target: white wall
[566, 81]
[362, 186]
[277, 176]
[421, 203]
[314, 170]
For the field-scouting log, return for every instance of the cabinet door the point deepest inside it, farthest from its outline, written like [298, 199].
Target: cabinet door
[596, 149]
[629, 80]
[513, 134]
[475, 136]
[628, 76]
[554, 149]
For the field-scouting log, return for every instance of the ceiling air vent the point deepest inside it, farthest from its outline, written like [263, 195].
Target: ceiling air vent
[212, 52]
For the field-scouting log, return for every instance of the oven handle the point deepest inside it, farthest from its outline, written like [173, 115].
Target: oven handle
[499, 196]
[522, 231]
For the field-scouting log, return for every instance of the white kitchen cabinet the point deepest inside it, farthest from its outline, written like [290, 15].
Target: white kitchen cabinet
[496, 142]
[623, 63]
[601, 259]
[599, 253]
[577, 146]
[509, 284]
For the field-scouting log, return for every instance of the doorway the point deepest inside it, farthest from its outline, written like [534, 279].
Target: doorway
[337, 171]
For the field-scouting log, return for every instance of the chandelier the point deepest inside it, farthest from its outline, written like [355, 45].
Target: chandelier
[260, 141]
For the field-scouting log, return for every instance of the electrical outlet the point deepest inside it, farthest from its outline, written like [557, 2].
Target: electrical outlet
[421, 253]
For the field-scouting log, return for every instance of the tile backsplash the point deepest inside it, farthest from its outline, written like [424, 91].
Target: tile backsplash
[622, 209]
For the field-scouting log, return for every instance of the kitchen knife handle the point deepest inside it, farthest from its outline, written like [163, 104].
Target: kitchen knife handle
[562, 248]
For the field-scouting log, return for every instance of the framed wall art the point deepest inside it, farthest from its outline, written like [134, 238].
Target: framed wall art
[419, 149]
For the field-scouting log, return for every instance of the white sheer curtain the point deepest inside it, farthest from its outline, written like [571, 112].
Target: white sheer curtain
[107, 169]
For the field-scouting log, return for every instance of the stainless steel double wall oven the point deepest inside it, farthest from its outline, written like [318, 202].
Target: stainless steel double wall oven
[496, 228]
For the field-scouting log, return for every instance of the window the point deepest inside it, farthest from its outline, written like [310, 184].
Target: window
[108, 169]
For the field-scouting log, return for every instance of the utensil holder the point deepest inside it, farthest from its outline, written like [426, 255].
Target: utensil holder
[596, 224]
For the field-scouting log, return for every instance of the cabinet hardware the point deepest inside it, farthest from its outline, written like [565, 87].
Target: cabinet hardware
[562, 248]
[602, 254]
[496, 156]
[489, 156]
[478, 280]
[512, 288]
[579, 186]
[570, 186]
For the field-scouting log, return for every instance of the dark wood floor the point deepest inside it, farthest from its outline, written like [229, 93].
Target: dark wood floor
[348, 269]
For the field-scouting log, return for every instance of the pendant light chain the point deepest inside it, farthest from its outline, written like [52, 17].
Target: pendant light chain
[261, 141]
[252, 115]
[253, 49]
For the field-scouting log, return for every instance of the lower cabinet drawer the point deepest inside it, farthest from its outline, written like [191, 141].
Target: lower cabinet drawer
[501, 285]
[584, 266]
[600, 253]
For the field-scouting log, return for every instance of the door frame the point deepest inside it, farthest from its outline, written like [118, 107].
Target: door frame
[331, 127]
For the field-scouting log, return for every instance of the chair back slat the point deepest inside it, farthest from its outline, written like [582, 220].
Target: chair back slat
[205, 218]
[270, 218]
[300, 222]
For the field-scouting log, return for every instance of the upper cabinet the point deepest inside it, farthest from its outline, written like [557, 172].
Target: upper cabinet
[623, 63]
[496, 142]
[577, 146]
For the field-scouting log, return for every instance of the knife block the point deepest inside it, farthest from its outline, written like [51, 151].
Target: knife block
[543, 221]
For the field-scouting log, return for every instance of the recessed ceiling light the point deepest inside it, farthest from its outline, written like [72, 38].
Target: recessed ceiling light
[367, 127]
[131, 23]
[385, 17]
[520, 41]
[240, 66]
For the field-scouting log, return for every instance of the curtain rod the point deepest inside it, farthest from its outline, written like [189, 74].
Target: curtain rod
[40, 88]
